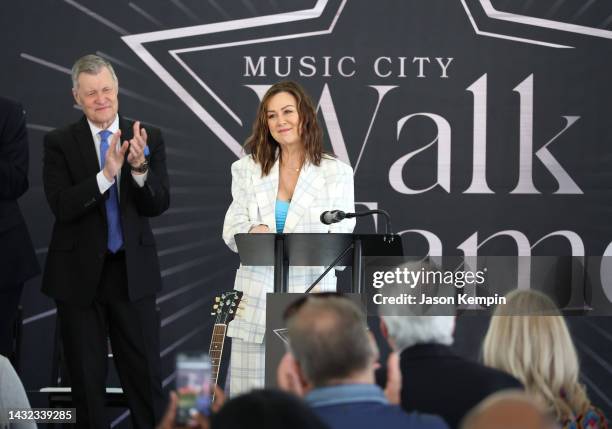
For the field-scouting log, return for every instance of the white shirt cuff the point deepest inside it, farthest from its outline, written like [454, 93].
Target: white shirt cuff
[103, 183]
[140, 179]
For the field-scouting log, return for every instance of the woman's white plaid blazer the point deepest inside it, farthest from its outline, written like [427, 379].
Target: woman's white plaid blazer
[326, 187]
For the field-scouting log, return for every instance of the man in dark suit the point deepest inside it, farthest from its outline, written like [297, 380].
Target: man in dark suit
[18, 261]
[102, 266]
[435, 379]
[438, 381]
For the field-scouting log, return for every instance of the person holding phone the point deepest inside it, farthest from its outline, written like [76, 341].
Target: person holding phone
[283, 185]
[193, 386]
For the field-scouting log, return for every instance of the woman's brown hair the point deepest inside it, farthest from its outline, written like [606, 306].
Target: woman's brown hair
[260, 144]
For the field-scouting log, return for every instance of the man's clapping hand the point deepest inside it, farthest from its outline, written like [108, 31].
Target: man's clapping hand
[136, 155]
[113, 160]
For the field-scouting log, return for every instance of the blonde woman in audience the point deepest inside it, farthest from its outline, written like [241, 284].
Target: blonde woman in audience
[528, 338]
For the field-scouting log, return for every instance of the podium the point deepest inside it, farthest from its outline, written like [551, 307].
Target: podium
[314, 249]
[306, 249]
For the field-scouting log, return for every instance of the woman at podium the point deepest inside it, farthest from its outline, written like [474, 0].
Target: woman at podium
[283, 184]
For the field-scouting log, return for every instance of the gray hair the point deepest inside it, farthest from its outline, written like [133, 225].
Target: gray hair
[328, 337]
[407, 331]
[410, 326]
[90, 64]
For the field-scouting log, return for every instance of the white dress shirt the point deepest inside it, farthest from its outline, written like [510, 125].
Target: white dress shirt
[103, 182]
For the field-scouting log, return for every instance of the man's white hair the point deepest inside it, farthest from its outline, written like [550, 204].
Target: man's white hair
[407, 331]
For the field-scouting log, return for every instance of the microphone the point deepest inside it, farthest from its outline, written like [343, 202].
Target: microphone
[332, 216]
[335, 216]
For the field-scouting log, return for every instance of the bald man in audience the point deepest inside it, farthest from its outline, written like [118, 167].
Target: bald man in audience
[511, 409]
[331, 364]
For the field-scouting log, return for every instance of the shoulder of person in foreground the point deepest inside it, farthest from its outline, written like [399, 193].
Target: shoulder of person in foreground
[420, 420]
[12, 392]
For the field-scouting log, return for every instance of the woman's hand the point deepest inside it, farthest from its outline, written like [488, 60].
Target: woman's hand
[259, 229]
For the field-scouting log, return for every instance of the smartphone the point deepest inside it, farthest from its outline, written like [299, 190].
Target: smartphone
[193, 373]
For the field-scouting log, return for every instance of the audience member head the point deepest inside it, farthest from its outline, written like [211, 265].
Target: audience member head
[528, 338]
[268, 409]
[263, 146]
[508, 409]
[407, 331]
[329, 340]
[403, 330]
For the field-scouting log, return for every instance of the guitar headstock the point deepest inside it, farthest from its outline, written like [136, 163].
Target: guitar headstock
[226, 306]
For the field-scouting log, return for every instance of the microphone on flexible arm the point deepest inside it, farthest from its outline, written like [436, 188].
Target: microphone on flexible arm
[335, 216]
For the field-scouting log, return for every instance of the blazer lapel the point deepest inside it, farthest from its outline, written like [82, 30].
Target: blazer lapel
[308, 186]
[266, 190]
[126, 173]
[87, 149]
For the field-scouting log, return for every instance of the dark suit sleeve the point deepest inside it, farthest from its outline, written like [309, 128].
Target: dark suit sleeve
[68, 201]
[13, 152]
[154, 197]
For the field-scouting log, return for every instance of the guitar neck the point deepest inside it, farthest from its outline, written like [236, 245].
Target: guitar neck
[216, 350]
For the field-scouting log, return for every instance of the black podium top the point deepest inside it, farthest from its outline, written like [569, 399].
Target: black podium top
[313, 249]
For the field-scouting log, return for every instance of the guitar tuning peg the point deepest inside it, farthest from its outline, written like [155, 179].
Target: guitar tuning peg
[231, 312]
[215, 306]
[213, 313]
[217, 299]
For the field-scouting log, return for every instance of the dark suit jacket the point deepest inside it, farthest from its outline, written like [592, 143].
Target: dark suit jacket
[17, 258]
[79, 240]
[437, 381]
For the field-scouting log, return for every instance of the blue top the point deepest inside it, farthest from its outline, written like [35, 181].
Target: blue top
[364, 406]
[282, 207]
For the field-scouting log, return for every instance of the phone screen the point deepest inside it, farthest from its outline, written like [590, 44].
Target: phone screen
[193, 373]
